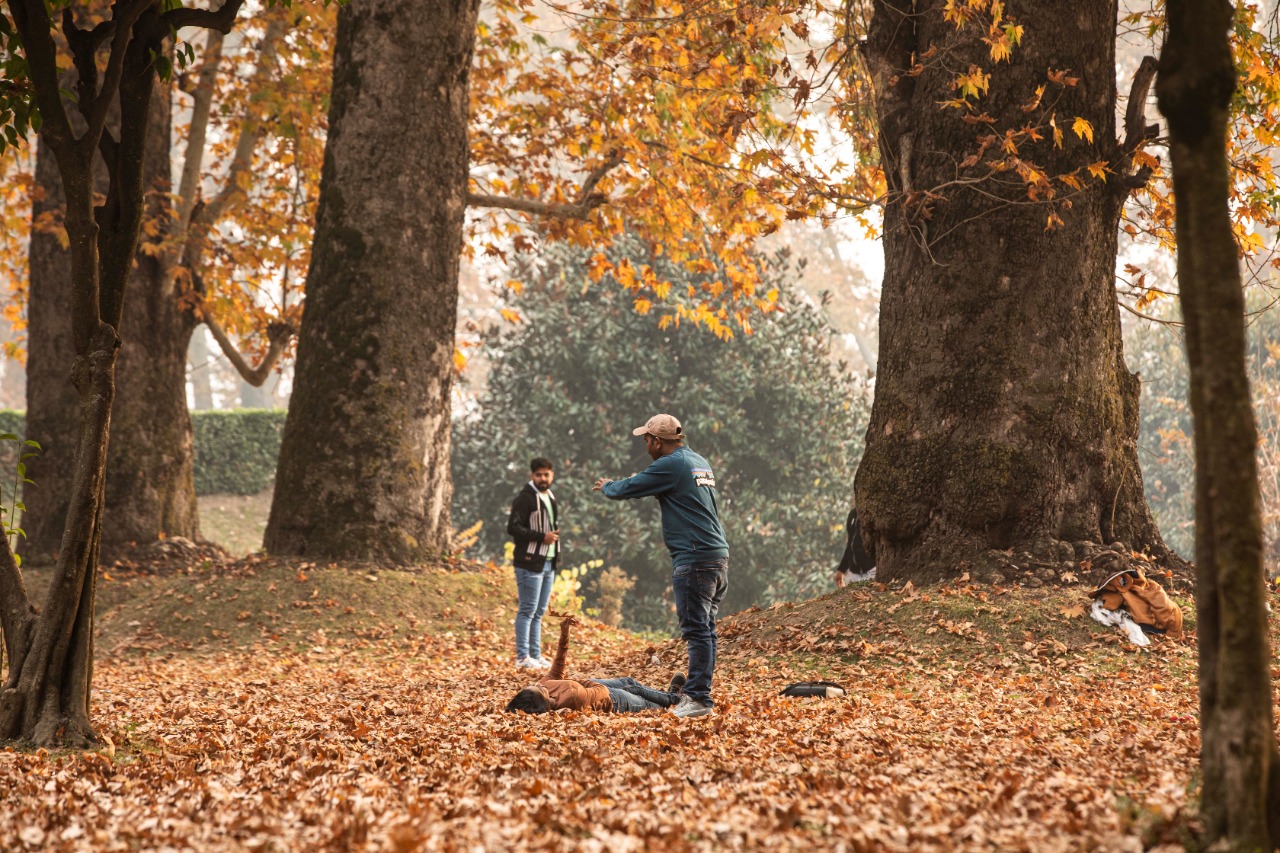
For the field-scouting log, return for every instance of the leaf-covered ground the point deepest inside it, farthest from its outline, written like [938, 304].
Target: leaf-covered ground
[977, 719]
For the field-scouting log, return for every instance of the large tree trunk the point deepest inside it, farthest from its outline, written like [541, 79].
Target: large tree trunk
[151, 485]
[1238, 755]
[52, 402]
[1004, 414]
[151, 465]
[364, 461]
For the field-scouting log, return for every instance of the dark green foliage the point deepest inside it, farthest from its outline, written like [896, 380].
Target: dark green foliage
[780, 423]
[12, 420]
[1156, 353]
[236, 450]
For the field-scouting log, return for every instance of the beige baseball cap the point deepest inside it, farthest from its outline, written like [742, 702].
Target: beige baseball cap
[663, 426]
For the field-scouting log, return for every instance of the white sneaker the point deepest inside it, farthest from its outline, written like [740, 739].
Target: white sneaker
[542, 662]
[527, 663]
[690, 707]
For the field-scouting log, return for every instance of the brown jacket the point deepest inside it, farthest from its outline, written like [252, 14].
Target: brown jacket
[1145, 599]
[569, 694]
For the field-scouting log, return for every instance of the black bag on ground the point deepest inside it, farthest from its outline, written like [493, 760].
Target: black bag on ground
[822, 689]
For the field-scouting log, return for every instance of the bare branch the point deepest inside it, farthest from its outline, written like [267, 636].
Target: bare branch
[251, 130]
[221, 20]
[197, 218]
[1136, 130]
[34, 25]
[1173, 324]
[202, 105]
[572, 210]
[277, 333]
[587, 200]
[609, 164]
[84, 47]
[97, 116]
[99, 34]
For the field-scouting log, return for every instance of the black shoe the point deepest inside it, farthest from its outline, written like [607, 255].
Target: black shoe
[677, 683]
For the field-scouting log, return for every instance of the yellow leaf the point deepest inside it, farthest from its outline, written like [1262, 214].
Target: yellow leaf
[1073, 612]
[1082, 128]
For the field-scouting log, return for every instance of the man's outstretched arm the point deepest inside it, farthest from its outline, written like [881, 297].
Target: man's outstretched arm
[654, 480]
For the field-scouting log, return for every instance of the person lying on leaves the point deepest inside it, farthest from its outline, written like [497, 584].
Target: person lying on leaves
[619, 695]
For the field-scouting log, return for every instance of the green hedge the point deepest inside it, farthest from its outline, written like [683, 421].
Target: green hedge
[236, 450]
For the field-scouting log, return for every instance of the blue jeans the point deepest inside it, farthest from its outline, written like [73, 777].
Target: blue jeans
[629, 695]
[534, 590]
[699, 588]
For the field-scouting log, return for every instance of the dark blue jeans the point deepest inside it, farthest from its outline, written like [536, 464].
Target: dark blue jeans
[699, 588]
[629, 695]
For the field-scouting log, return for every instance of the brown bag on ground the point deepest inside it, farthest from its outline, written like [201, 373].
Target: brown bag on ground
[1145, 599]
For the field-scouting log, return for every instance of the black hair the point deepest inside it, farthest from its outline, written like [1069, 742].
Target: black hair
[540, 462]
[530, 700]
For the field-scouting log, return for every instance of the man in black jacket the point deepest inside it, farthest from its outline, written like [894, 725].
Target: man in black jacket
[533, 526]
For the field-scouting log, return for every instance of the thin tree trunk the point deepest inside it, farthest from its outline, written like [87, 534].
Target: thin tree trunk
[45, 697]
[364, 463]
[1004, 414]
[1240, 803]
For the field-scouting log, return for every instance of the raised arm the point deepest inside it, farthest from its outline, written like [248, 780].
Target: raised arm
[562, 649]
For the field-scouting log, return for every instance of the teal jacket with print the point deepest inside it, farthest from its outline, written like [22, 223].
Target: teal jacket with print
[685, 486]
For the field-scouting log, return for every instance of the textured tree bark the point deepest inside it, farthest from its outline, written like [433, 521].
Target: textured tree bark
[52, 402]
[151, 464]
[1003, 412]
[1240, 803]
[45, 697]
[151, 481]
[364, 461]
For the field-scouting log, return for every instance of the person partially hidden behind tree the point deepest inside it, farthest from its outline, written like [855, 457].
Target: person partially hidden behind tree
[856, 564]
[617, 695]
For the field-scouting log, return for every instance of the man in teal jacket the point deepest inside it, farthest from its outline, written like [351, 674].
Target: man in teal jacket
[685, 487]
